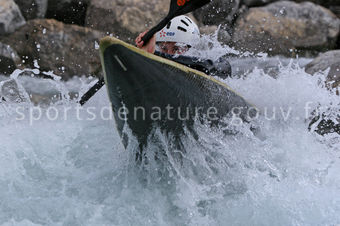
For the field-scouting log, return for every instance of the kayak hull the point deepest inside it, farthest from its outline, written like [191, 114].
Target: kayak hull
[148, 92]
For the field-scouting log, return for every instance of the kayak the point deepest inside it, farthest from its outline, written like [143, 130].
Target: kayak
[148, 92]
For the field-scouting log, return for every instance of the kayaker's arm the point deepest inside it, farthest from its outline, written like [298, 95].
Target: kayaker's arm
[220, 68]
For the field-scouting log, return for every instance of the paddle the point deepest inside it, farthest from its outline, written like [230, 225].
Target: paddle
[91, 91]
[177, 7]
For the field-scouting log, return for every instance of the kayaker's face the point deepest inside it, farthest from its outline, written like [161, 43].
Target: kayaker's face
[172, 48]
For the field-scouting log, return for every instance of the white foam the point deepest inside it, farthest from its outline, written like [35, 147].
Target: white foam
[77, 172]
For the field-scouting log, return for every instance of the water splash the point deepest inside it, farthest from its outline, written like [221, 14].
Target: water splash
[76, 172]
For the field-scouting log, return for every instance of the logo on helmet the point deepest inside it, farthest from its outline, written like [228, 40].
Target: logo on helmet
[170, 33]
[162, 34]
[181, 2]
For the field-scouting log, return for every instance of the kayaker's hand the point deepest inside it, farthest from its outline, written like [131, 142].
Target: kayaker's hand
[150, 46]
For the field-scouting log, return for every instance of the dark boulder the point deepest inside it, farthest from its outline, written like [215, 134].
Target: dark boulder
[67, 50]
[252, 3]
[32, 9]
[218, 12]
[68, 11]
[323, 126]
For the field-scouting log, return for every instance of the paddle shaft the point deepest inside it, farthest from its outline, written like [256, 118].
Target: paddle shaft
[93, 90]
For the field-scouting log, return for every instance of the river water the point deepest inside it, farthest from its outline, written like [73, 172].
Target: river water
[74, 171]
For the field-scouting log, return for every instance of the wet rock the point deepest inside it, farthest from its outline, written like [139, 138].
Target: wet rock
[68, 11]
[10, 17]
[218, 12]
[32, 9]
[125, 19]
[335, 10]
[222, 35]
[9, 59]
[285, 27]
[323, 125]
[11, 91]
[67, 50]
[325, 3]
[257, 2]
[333, 5]
[207, 30]
[329, 60]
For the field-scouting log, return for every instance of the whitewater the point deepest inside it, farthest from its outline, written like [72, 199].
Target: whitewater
[68, 171]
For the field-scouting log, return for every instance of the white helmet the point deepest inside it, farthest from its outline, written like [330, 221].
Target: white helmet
[180, 29]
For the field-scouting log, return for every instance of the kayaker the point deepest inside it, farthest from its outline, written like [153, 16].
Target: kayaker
[175, 39]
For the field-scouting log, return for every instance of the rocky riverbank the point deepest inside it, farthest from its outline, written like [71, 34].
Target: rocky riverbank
[56, 33]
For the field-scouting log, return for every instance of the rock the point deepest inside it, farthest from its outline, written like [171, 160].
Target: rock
[325, 3]
[125, 19]
[32, 9]
[333, 5]
[283, 27]
[208, 30]
[10, 17]
[68, 11]
[257, 2]
[9, 59]
[327, 60]
[335, 10]
[222, 36]
[11, 91]
[323, 126]
[330, 4]
[68, 50]
[218, 12]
